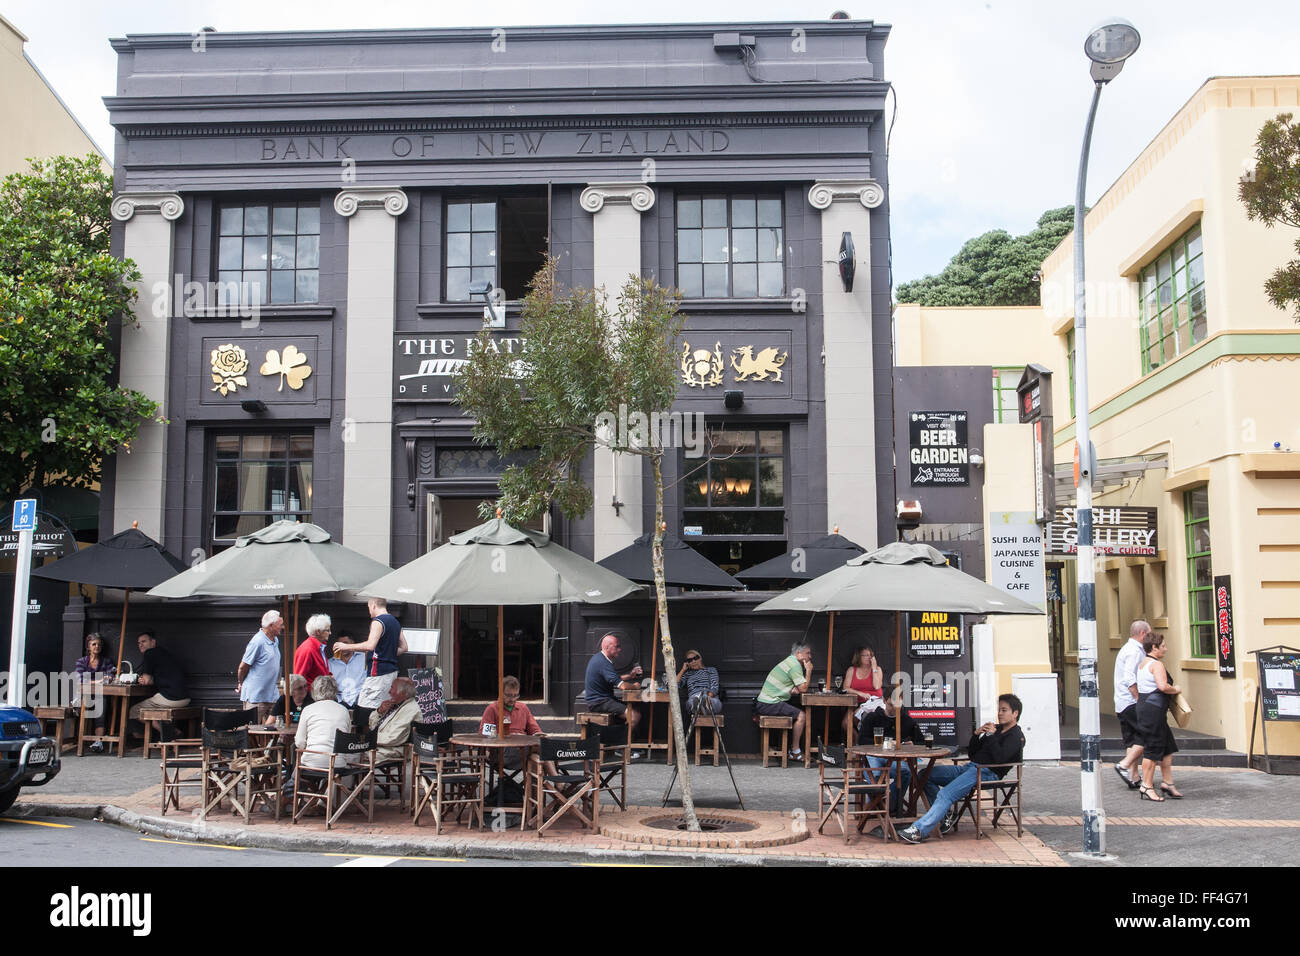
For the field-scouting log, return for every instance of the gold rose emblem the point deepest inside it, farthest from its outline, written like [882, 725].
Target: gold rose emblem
[229, 363]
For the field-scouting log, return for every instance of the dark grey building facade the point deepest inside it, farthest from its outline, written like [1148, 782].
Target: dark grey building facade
[309, 210]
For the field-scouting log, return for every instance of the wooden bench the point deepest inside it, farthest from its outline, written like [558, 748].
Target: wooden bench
[54, 720]
[148, 714]
[714, 722]
[767, 725]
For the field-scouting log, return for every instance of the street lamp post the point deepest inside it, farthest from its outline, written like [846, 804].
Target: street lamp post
[1108, 46]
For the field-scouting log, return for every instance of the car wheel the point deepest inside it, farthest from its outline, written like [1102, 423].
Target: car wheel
[7, 798]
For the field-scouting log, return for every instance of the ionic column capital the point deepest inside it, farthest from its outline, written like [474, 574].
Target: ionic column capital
[168, 205]
[392, 199]
[866, 191]
[638, 195]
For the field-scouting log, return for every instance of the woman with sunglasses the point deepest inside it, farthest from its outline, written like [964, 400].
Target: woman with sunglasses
[96, 665]
[699, 684]
[864, 678]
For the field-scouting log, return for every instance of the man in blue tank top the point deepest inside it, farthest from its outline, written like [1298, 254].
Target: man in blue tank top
[384, 643]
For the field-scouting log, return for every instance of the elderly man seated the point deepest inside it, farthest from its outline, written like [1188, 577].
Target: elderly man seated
[392, 720]
[319, 722]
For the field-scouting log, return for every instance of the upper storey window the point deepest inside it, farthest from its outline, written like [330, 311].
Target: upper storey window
[730, 246]
[270, 252]
[500, 240]
[1173, 301]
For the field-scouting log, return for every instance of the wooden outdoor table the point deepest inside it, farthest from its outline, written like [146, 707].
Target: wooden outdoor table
[909, 754]
[520, 742]
[828, 699]
[650, 696]
[262, 735]
[118, 700]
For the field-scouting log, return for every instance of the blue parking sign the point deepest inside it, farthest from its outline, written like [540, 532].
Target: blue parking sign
[24, 514]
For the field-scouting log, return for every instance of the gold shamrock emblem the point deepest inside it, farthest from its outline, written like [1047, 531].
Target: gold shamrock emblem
[292, 366]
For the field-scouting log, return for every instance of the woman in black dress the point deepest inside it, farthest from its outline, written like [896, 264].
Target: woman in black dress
[1155, 694]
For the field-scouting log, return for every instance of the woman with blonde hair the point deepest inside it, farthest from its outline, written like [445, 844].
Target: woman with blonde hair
[866, 679]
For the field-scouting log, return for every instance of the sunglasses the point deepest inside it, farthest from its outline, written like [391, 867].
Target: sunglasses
[692, 660]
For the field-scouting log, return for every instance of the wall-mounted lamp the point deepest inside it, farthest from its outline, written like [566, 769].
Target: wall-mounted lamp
[977, 459]
[733, 398]
[254, 406]
[847, 265]
[494, 307]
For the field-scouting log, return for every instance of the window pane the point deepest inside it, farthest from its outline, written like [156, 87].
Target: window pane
[769, 212]
[308, 252]
[483, 249]
[1148, 282]
[227, 490]
[688, 213]
[1153, 355]
[458, 248]
[1164, 267]
[744, 279]
[733, 482]
[484, 217]
[227, 446]
[231, 254]
[255, 220]
[1180, 284]
[715, 281]
[1198, 503]
[731, 441]
[283, 252]
[1203, 577]
[282, 286]
[1196, 272]
[691, 281]
[458, 217]
[300, 446]
[1166, 323]
[232, 221]
[689, 245]
[715, 212]
[1196, 301]
[307, 285]
[744, 245]
[1204, 603]
[743, 212]
[227, 290]
[771, 442]
[1185, 339]
[769, 245]
[251, 291]
[771, 473]
[457, 285]
[1203, 640]
[483, 274]
[770, 279]
[225, 526]
[299, 487]
[1166, 294]
[255, 252]
[1180, 255]
[1194, 242]
[1198, 328]
[715, 245]
[257, 446]
[1200, 537]
[308, 220]
[695, 487]
[284, 220]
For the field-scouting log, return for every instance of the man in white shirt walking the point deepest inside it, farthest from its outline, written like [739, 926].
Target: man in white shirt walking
[1126, 694]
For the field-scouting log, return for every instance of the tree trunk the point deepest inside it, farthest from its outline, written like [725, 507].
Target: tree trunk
[670, 662]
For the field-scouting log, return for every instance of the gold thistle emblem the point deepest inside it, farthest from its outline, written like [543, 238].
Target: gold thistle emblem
[229, 363]
[702, 368]
[768, 362]
[292, 365]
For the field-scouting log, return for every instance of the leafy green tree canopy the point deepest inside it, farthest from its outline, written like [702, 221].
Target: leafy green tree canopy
[1271, 193]
[996, 268]
[61, 295]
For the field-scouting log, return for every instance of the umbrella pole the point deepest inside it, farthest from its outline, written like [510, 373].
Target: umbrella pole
[501, 664]
[287, 692]
[830, 678]
[288, 662]
[121, 630]
[898, 667]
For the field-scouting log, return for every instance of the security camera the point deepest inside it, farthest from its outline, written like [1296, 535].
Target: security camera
[977, 459]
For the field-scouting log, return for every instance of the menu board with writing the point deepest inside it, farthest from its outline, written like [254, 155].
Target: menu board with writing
[1279, 682]
[429, 695]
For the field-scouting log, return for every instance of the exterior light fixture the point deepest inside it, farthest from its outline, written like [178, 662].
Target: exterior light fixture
[494, 307]
[254, 406]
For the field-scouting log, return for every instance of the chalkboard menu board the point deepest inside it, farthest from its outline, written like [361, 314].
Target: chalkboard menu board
[429, 695]
[1279, 681]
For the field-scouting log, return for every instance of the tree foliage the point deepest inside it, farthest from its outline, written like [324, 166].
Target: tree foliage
[1271, 193]
[61, 296]
[588, 376]
[996, 268]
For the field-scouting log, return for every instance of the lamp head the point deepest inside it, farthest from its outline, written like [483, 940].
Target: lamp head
[1109, 45]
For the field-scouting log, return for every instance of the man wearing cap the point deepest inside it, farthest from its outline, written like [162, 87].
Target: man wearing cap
[259, 668]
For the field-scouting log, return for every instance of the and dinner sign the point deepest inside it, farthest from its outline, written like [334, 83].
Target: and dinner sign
[1119, 531]
[934, 634]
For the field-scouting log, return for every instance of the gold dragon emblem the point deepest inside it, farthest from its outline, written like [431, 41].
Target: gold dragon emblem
[768, 362]
[702, 368]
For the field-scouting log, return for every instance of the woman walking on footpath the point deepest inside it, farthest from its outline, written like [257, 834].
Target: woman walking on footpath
[1155, 693]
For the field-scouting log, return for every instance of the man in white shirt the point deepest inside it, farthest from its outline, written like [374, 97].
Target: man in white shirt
[1126, 695]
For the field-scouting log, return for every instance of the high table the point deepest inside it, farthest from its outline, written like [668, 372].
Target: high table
[520, 742]
[829, 700]
[912, 755]
[638, 695]
[118, 700]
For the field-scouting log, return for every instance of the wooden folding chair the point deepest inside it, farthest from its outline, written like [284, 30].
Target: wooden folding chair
[341, 779]
[229, 762]
[849, 790]
[573, 788]
[182, 765]
[995, 797]
[615, 752]
[442, 779]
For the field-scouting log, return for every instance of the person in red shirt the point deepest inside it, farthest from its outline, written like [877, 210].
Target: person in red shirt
[310, 660]
[519, 719]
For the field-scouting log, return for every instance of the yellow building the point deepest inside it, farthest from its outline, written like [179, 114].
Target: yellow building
[36, 122]
[1193, 378]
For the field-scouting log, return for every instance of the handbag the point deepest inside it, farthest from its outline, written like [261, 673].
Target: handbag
[1181, 710]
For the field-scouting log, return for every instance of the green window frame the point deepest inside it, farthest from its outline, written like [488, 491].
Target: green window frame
[1172, 301]
[1005, 380]
[1200, 572]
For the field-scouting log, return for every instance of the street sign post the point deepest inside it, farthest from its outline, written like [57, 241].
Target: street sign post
[24, 523]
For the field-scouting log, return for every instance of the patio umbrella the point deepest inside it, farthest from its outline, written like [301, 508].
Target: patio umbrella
[805, 563]
[129, 560]
[284, 558]
[497, 563]
[899, 577]
[683, 567]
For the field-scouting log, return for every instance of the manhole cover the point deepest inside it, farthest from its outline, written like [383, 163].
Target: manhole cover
[707, 824]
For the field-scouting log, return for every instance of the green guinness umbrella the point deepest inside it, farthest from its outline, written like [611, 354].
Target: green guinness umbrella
[497, 563]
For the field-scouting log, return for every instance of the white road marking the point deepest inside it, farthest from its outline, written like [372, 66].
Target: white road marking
[370, 861]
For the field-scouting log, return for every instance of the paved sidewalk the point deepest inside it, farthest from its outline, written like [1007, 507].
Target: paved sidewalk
[1228, 818]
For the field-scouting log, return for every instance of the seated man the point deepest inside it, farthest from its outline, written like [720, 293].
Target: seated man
[393, 718]
[603, 680]
[1003, 742]
[791, 676]
[518, 720]
[161, 671]
[699, 684]
[319, 722]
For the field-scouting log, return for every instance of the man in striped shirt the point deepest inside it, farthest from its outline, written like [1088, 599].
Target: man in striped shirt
[791, 676]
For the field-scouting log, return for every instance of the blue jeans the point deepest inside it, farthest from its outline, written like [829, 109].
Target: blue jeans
[947, 785]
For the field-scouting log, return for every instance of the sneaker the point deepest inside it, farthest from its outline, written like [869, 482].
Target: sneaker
[97, 747]
[910, 834]
[949, 821]
[795, 754]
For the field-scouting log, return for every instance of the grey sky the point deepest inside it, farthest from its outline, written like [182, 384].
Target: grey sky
[991, 96]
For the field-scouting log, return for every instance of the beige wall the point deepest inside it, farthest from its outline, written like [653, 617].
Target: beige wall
[34, 120]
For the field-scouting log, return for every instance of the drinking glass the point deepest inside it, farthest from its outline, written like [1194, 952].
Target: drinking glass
[878, 734]
[839, 684]
[929, 740]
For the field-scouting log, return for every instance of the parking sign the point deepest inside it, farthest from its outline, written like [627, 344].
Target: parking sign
[24, 514]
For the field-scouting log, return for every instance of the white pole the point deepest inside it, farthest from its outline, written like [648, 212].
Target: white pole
[18, 632]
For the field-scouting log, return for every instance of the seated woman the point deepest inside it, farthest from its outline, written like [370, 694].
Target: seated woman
[298, 699]
[699, 684]
[864, 678]
[318, 724]
[96, 665]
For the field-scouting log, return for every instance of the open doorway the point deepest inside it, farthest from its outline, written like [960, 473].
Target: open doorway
[469, 632]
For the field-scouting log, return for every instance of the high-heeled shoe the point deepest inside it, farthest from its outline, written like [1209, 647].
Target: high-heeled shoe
[1170, 791]
[1148, 793]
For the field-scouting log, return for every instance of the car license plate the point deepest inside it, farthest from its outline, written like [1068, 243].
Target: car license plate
[38, 755]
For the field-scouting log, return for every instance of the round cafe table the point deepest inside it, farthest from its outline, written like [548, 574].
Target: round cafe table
[918, 774]
[499, 745]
